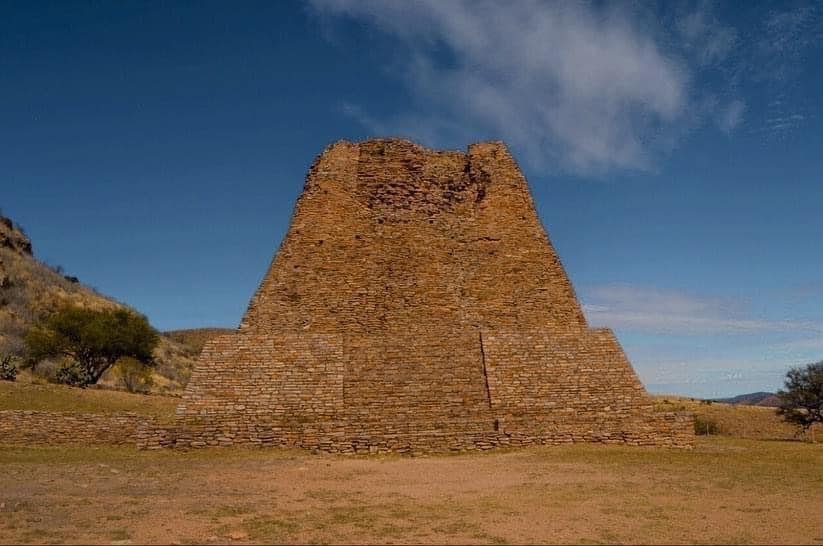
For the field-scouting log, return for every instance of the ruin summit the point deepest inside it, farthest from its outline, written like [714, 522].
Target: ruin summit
[416, 304]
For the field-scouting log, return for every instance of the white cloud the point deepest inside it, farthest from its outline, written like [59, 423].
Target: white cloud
[702, 346]
[705, 37]
[784, 122]
[785, 36]
[566, 84]
[584, 87]
[805, 346]
[650, 310]
[731, 116]
[713, 377]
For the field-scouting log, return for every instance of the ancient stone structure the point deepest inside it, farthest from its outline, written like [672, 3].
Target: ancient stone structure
[416, 303]
[25, 427]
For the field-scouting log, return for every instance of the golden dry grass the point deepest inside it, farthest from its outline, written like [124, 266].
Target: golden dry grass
[22, 395]
[725, 491]
[37, 290]
[738, 421]
[196, 338]
[731, 420]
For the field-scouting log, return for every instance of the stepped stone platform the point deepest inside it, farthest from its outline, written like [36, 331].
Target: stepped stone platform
[416, 304]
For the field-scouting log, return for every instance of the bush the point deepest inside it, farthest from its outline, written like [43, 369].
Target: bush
[704, 426]
[74, 374]
[45, 370]
[8, 368]
[134, 375]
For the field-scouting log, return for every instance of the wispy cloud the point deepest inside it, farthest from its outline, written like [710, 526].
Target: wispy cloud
[731, 116]
[707, 370]
[567, 84]
[785, 35]
[650, 310]
[704, 37]
[785, 122]
[588, 88]
[778, 56]
[713, 377]
[804, 345]
[702, 345]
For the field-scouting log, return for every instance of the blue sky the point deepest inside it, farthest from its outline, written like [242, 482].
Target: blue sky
[155, 150]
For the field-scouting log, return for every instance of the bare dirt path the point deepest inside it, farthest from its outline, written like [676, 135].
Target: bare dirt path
[725, 491]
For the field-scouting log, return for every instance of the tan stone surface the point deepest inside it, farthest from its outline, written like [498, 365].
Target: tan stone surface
[416, 304]
[22, 427]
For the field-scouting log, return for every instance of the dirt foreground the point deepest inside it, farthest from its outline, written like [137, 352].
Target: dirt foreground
[725, 491]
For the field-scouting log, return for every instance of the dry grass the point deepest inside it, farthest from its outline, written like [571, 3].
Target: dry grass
[739, 421]
[196, 338]
[22, 395]
[725, 491]
[37, 290]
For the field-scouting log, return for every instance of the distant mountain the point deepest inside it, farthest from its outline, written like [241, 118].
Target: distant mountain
[30, 289]
[761, 398]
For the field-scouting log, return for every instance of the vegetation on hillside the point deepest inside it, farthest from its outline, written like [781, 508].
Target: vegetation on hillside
[91, 341]
[734, 420]
[30, 291]
[801, 402]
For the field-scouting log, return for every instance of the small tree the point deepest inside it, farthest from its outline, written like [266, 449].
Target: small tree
[801, 402]
[93, 340]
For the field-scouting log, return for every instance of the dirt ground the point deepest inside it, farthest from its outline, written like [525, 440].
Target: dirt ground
[724, 491]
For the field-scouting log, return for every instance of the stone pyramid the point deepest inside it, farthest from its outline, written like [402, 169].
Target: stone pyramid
[417, 304]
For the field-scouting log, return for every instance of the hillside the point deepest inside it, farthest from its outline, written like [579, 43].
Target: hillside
[767, 399]
[23, 395]
[30, 289]
[196, 338]
[737, 420]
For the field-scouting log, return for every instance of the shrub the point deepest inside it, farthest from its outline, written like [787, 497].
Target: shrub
[134, 375]
[74, 374]
[8, 368]
[46, 370]
[93, 340]
[704, 426]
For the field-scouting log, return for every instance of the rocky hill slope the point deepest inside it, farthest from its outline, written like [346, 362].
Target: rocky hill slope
[30, 289]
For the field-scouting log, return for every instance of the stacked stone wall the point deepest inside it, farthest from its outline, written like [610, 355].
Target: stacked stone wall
[388, 236]
[580, 374]
[416, 303]
[21, 427]
[398, 394]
